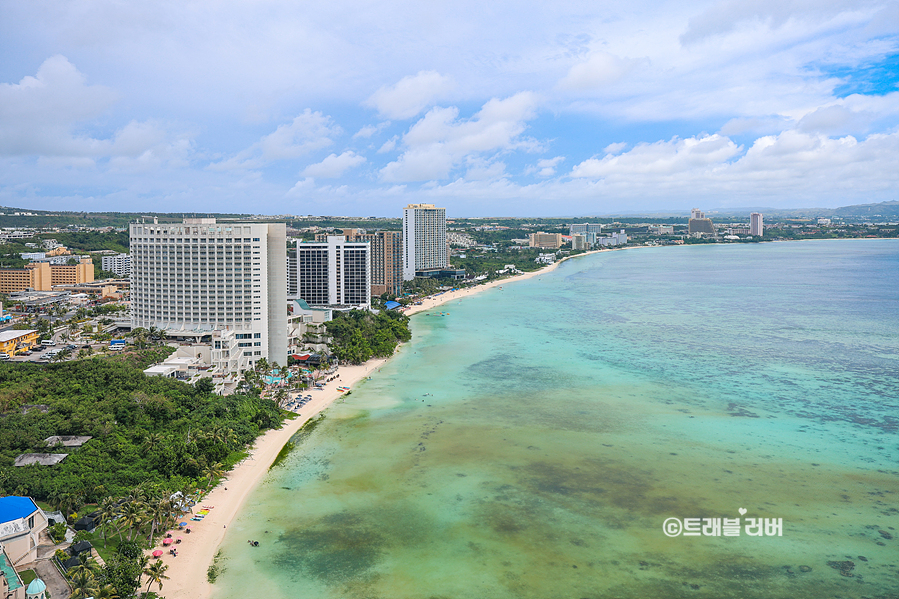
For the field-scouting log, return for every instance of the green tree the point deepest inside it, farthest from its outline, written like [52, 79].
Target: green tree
[109, 511]
[84, 583]
[213, 472]
[132, 516]
[155, 572]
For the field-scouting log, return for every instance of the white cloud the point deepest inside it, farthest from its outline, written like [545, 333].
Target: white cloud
[545, 167]
[301, 188]
[181, 88]
[389, 145]
[333, 166]
[40, 114]
[484, 170]
[724, 17]
[661, 158]
[306, 132]
[439, 141]
[600, 70]
[410, 95]
[369, 130]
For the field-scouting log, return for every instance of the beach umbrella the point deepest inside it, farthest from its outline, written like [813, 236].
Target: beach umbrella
[166, 541]
[182, 524]
[157, 553]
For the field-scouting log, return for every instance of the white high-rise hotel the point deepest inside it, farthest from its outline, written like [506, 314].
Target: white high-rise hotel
[424, 239]
[756, 224]
[335, 272]
[203, 276]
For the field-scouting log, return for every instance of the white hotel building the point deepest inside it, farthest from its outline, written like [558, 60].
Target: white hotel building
[120, 264]
[202, 279]
[335, 273]
[424, 239]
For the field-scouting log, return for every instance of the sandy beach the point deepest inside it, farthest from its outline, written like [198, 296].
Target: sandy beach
[187, 571]
[433, 301]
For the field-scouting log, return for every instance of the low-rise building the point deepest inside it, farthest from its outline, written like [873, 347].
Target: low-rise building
[14, 341]
[21, 523]
[41, 276]
[585, 228]
[11, 585]
[578, 241]
[545, 240]
[619, 238]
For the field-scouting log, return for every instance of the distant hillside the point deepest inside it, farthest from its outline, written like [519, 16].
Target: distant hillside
[888, 211]
[56, 218]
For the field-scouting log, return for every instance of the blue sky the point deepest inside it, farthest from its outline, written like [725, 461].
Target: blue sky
[488, 109]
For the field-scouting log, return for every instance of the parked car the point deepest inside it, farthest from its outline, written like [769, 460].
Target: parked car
[85, 346]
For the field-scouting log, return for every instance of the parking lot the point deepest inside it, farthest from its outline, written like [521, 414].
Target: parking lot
[40, 354]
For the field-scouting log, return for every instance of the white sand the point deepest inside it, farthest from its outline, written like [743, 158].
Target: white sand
[187, 572]
[433, 301]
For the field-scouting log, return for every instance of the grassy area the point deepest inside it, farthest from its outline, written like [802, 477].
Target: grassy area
[27, 576]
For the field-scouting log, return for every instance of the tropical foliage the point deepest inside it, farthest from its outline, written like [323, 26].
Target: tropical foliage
[358, 335]
[149, 431]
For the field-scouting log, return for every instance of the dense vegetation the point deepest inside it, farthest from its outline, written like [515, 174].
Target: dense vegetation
[43, 218]
[358, 335]
[146, 430]
[92, 241]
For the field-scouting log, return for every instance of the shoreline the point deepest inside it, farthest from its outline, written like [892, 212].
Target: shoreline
[187, 572]
[432, 301]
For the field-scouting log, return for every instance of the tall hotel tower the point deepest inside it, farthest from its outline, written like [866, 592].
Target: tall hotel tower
[756, 226]
[334, 272]
[201, 276]
[424, 239]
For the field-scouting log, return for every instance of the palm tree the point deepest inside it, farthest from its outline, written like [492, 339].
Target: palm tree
[84, 583]
[107, 592]
[153, 441]
[85, 563]
[156, 335]
[132, 516]
[155, 572]
[159, 513]
[109, 511]
[63, 501]
[280, 396]
[214, 471]
[139, 336]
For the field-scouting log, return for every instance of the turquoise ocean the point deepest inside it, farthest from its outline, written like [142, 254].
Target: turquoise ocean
[530, 441]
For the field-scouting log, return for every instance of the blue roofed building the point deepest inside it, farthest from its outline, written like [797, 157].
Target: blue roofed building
[21, 523]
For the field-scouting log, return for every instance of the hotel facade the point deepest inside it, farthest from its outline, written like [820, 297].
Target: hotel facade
[334, 272]
[424, 239]
[201, 276]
